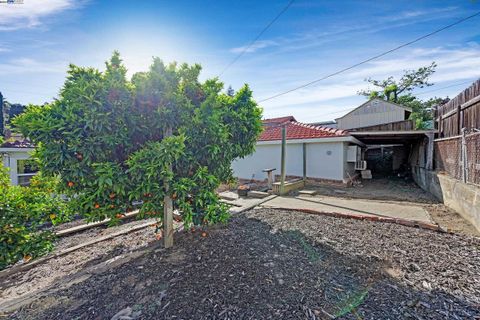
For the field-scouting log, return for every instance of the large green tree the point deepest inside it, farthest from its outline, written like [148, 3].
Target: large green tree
[163, 133]
[401, 92]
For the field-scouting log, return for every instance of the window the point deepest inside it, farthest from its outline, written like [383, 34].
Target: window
[26, 169]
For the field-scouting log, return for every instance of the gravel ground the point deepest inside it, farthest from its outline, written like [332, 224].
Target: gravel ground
[396, 189]
[274, 264]
[55, 269]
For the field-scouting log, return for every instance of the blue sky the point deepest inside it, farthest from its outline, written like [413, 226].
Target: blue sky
[38, 39]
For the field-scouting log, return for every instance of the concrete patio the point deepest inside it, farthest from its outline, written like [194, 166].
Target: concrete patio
[346, 206]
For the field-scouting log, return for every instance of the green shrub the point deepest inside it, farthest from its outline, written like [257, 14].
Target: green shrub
[24, 214]
[106, 136]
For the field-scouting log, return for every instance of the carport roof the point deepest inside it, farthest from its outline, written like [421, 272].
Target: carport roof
[388, 137]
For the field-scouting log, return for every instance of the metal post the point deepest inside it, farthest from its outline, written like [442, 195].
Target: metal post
[167, 208]
[464, 156]
[283, 160]
[304, 161]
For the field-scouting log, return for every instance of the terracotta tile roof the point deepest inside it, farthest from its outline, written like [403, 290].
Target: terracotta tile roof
[17, 144]
[278, 120]
[296, 130]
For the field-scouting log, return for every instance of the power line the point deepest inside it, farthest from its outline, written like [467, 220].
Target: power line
[372, 58]
[257, 37]
[419, 94]
[446, 87]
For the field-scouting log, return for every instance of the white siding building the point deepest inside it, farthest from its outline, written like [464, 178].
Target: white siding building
[16, 157]
[326, 152]
[373, 112]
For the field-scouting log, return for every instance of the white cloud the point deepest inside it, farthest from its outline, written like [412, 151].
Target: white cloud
[30, 13]
[27, 65]
[255, 47]
[319, 37]
[453, 65]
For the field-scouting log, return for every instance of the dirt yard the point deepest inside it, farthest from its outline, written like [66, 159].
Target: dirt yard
[397, 189]
[273, 264]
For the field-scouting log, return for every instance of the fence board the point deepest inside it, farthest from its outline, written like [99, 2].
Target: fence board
[463, 111]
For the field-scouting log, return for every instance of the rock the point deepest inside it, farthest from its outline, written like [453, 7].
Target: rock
[126, 314]
[426, 285]
[413, 267]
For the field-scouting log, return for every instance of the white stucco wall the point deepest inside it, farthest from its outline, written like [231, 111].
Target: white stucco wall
[325, 160]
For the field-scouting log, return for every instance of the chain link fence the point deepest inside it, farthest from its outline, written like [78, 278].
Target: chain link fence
[448, 157]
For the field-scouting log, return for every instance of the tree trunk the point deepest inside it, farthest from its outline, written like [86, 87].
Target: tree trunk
[167, 207]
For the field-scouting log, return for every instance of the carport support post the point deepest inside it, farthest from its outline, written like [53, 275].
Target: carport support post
[304, 161]
[430, 147]
[167, 207]
[282, 168]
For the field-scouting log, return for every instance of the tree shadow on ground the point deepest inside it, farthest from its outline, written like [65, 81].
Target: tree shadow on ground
[247, 270]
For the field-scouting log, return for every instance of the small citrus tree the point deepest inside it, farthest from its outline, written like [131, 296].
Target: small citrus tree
[24, 214]
[164, 133]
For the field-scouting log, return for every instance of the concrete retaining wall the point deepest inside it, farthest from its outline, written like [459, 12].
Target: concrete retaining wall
[464, 198]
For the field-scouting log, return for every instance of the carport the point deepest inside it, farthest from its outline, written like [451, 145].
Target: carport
[392, 152]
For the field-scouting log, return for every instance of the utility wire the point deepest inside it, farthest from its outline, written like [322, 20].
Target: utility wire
[446, 87]
[419, 94]
[372, 58]
[257, 37]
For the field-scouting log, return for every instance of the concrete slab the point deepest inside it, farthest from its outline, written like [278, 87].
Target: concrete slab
[242, 204]
[307, 192]
[258, 194]
[228, 195]
[352, 206]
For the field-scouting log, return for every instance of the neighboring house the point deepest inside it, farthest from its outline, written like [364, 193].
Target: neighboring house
[373, 112]
[16, 157]
[331, 154]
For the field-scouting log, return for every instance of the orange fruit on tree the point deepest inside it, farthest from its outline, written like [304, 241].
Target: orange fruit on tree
[96, 206]
[119, 215]
[112, 195]
[70, 184]
[204, 234]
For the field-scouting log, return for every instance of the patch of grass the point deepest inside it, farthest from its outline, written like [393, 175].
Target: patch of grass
[312, 254]
[351, 303]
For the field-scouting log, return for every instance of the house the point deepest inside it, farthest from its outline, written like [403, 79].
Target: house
[375, 112]
[15, 156]
[330, 154]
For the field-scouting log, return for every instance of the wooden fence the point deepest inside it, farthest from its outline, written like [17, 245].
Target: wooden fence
[405, 125]
[457, 147]
[463, 111]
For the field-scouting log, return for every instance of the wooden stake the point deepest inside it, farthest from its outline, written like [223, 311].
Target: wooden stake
[283, 160]
[304, 161]
[167, 207]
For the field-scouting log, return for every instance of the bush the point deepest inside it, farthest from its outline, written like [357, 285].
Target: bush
[24, 214]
